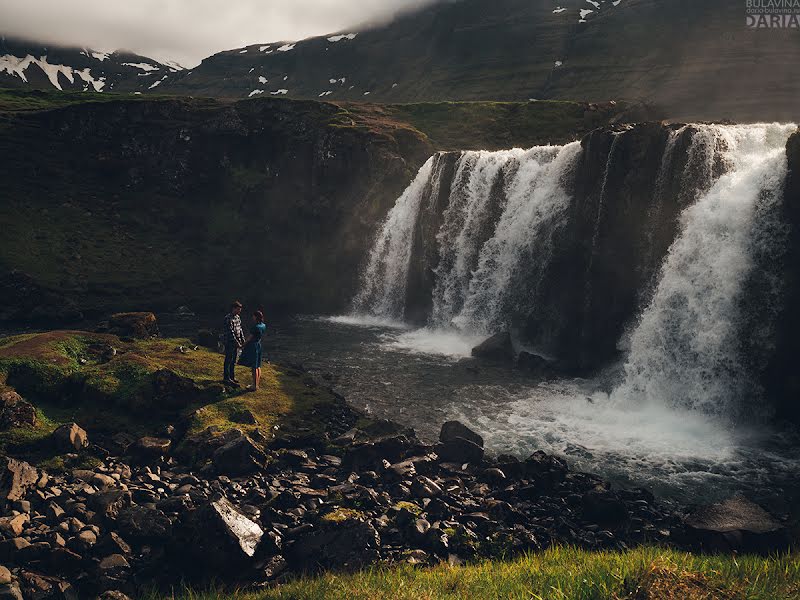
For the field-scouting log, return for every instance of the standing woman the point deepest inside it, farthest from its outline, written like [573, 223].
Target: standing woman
[251, 354]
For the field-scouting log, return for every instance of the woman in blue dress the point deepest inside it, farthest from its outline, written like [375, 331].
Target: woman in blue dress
[251, 353]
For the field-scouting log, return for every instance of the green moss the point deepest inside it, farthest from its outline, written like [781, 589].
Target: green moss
[409, 506]
[339, 515]
[63, 374]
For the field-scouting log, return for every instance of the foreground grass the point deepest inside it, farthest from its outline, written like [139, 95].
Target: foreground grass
[557, 574]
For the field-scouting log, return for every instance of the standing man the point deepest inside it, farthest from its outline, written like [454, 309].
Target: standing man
[234, 340]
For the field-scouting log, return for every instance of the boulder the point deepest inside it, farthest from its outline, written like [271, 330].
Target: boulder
[141, 325]
[604, 508]
[349, 545]
[208, 339]
[70, 438]
[11, 591]
[459, 450]
[16, 477]
[15, 411]
[371, 454]
[173, 391]
[144, 524]
[533, 363]
[150, 447]
[455, 429]
[734, 524]
[223, 534]
[240, 456]
[496, 348]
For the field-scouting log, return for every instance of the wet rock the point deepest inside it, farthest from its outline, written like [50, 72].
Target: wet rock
[70, 438]
[16, 477]
[141, 325]
[454, 429]
[533, 363]
[371, 454]
[16, 411]
[240, 456]
[735, 524]
[224, 534]
[458, 450]
[496, 348]
[348, 545]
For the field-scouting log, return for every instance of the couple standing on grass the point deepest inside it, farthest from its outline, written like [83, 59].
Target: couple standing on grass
[236, 344]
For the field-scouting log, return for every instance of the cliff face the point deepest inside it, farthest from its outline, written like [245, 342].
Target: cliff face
[156, 204]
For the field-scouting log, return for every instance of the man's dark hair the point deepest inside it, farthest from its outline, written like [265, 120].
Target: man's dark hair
[236, 304]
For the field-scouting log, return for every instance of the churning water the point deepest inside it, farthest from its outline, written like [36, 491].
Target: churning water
[672, 415]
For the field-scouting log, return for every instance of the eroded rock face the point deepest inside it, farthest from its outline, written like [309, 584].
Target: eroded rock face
[735, 524]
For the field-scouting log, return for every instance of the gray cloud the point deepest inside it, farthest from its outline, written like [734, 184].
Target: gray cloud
[187, 30]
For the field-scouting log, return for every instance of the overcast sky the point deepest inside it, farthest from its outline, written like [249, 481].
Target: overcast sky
[186, 30]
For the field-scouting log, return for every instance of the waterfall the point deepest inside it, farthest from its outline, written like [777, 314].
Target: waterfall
[502, 207]
[686, 350]
[383, 283]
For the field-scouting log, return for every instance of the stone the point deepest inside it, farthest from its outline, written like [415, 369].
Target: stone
[604, 508]
[16, 477]
[140, 325]
[5, 575]
[173, 391]
[455, 429]
[113, 595]
[150, 447]
[347, 545]
[240, 456]
[9, 549]
[16, 411]
[11, 591]
[114, 562]
[109, 504]
[222, 533]
[533, 363]
[496, 348]
[70, 438]
[100, 480]
[144, 524]
[14, 525]
[208, 339]
[736, 524]
[424, 487]
[371, 454]
[459, 450]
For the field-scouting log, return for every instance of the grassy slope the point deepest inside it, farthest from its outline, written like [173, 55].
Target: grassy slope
[558, 574]
[114, 395]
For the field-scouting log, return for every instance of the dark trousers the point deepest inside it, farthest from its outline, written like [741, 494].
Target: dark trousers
[231, 356]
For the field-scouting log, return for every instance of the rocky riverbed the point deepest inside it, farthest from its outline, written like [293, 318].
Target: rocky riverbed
[251, 502]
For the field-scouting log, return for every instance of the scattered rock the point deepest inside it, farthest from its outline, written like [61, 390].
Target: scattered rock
[348, 545]
[70, 437]
[150, 447]
[240, 456]
[16, 411]
[496, 348]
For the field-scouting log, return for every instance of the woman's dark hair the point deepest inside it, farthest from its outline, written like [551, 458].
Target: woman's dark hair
[259, 316]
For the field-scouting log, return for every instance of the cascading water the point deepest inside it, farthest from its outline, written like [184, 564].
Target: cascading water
[686, 350]
[663, 416]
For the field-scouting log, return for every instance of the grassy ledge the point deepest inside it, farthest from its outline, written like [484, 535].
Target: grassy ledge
[69, 376]
[559, 573]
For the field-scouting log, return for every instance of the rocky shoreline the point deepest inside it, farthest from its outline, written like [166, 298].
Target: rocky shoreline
[246, 507]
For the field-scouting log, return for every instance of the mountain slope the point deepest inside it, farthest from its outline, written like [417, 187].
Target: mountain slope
[32, 65]
[695, 59]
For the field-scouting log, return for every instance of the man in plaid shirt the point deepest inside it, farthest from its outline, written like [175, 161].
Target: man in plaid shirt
[234, 341]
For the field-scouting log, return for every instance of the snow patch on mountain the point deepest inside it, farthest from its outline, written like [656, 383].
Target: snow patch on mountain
[286, 47]
[263, 79]
[142, 66]
[281, 91]
[344, 36]
[255, 93]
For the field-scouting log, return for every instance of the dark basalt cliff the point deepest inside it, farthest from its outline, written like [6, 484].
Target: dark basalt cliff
[127, 204]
